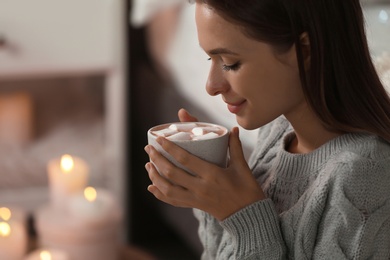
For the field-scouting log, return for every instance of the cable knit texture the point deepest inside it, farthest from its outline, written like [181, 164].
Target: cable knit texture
[332, 203]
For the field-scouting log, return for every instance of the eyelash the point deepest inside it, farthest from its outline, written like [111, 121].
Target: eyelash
[233, 67]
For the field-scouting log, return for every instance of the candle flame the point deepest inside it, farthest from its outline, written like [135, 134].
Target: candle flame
[5, 213]
[90, 194]
[45, 255]
[5, 229]
[67, 163]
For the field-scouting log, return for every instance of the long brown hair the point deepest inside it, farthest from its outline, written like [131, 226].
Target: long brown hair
[342, 85]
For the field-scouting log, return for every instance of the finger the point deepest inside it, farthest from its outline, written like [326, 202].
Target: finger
[164, 190]
[171, 172]
[157, 180]
[193, 163]
[184, 116]
[235, 147]
[161, 196]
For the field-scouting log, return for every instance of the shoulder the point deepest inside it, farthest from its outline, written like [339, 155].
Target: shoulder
[363, 154]
[360, 172]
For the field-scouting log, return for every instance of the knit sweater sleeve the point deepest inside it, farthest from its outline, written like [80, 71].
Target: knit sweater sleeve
[354, 223]
[256, 232]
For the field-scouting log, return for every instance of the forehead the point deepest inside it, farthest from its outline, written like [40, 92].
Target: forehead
[212, 28]
[216, 33]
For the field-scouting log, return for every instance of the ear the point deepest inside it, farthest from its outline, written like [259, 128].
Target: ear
[305, 47]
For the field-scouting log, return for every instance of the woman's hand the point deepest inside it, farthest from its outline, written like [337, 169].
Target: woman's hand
[218, 191]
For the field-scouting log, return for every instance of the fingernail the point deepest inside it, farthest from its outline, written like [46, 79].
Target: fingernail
[147, 166]
[147, 149]
[236, 130]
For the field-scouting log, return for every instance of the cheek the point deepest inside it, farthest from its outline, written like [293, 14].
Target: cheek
[270, 84]
[255, 86]
[272, 94]
[279, 83]
[246, 83]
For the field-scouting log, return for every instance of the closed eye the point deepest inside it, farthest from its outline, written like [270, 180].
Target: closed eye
[233, 67]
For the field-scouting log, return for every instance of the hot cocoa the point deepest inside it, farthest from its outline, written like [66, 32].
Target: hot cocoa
[189, 131]
[204, 140]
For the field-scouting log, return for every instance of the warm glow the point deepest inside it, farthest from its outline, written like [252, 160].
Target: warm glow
[5, 229]
[45, 255]
[90, 194]
[67, 163]
[5, 213]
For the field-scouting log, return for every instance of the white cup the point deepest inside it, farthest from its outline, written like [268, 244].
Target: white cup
[213, 150]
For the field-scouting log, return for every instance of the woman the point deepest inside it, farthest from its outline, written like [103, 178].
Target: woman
[318, 183]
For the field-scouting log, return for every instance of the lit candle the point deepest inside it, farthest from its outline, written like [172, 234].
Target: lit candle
[5, 213]
[91, 206]
[5, 229]
[15, 213]
[52, 254]
[13, 237]
[89, 228]
[45, 255]
[67, 175]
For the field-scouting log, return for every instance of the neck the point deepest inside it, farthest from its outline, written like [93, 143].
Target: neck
[310, 133]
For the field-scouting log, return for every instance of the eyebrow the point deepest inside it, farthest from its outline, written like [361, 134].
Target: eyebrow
[221, 51]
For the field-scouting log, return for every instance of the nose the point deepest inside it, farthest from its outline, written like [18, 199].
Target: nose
[216, 82]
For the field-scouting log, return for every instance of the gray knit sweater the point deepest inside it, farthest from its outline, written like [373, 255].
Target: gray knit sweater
[333, 203]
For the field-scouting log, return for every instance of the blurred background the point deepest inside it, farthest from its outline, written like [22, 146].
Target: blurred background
[89, 78]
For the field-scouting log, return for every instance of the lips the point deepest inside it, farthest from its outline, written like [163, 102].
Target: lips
[235, 108]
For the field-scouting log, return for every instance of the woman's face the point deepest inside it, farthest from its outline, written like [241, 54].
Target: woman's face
[257, 84]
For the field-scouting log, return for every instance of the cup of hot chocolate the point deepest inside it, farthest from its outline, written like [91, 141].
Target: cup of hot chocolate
[204, 140]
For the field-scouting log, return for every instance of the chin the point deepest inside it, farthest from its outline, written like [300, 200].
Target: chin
[246, 124]
[252, 123]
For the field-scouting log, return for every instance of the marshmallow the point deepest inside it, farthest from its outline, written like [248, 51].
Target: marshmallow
[201, 130]
[206, 136]
[181, 136]
[198, 131]
[182, 126]
[165, 132]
